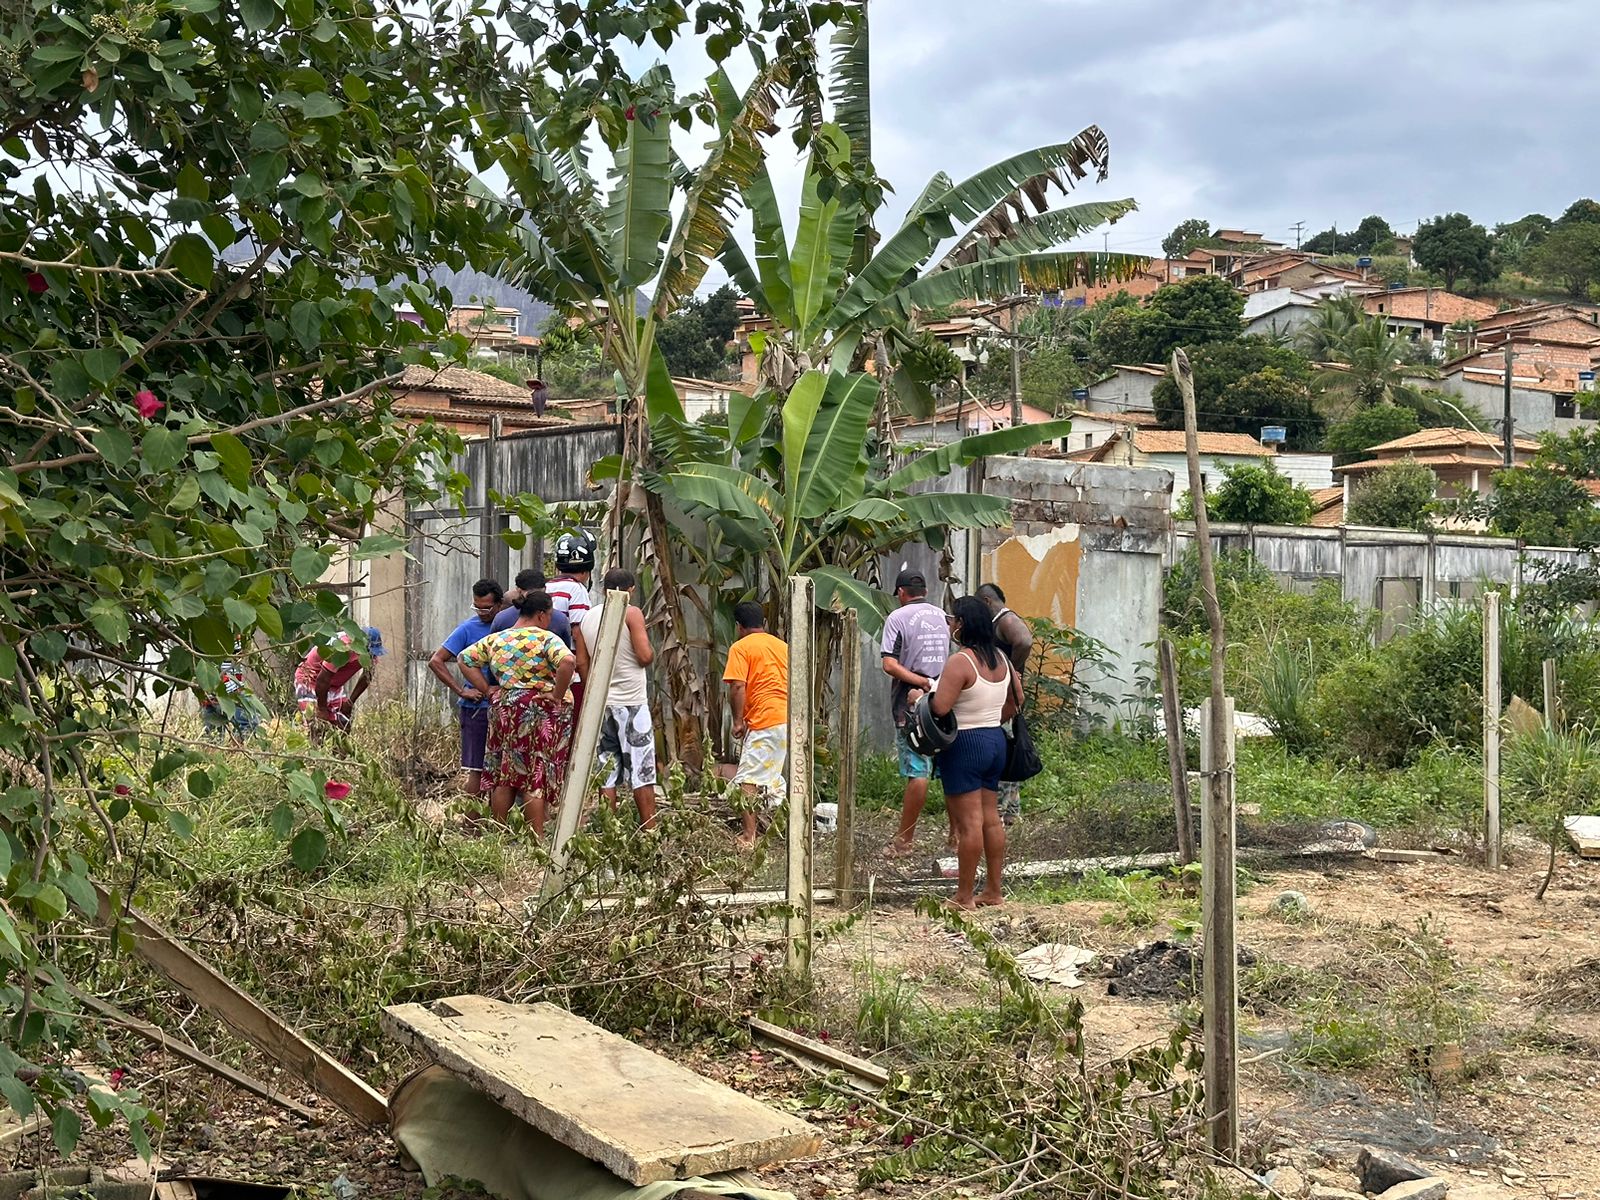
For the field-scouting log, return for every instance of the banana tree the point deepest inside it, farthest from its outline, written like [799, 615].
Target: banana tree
[591, 251]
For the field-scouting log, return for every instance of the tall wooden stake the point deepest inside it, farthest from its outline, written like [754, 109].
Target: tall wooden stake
[1218, 880]
[802, 640]
[844, 854]
[1177, 765]
[1491, 728]
[1552, 698]
[586, 737]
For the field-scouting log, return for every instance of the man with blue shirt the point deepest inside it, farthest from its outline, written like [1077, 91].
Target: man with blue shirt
[531, 580]
[487, 598]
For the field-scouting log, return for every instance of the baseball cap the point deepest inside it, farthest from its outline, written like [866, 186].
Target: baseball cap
[912, 581]
[374, 641]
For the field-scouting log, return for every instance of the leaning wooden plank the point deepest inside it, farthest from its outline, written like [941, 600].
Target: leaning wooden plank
[640, 1115]
[821, 1051]
[200, 1058]
[263, 1028]
[12, 1129]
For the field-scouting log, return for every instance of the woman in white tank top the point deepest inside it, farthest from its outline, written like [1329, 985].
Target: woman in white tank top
[979, 687]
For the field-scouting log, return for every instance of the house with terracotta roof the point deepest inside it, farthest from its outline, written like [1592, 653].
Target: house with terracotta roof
[1164, 448]
[1465, 460]
[1424, 313]
[1288, 269]
[1090, 429]
[1279, 312]
[467, 401]
[969, 416]
[1547, 380]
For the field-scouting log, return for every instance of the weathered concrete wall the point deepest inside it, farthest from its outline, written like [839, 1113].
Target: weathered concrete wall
[1393, 571]
[1532, 413]
[1085, 549]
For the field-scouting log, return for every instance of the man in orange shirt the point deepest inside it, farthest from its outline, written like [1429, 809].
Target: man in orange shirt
[758, 695]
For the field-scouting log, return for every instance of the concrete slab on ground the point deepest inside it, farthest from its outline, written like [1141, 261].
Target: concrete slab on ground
[638, 1114]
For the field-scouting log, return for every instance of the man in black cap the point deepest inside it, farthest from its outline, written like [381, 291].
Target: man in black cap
[916, 641]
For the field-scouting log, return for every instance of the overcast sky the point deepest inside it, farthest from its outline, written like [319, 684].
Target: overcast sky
[1251, 113]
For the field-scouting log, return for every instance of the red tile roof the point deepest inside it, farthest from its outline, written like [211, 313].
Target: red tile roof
[468, 385]
[1428, 304]
[1171, 441]
[1451, 439]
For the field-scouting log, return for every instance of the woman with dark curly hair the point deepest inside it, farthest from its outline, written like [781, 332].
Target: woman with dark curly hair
[530, 714]
[980, 688]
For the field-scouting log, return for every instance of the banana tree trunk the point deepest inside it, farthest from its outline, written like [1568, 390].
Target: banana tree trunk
[685, 685]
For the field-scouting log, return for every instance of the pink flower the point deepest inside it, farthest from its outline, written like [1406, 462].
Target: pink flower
[907, 1139]
[115, 1078]
[37, 283]
[335, 789]
[121, 789]
[147, 403]
[629, 112]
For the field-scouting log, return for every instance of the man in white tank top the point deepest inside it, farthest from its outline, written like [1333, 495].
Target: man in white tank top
[627, 734]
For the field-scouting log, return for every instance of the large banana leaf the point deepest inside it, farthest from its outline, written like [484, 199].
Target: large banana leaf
[837, 590]
[835, 443]
[850, 89]
[712, 194]
[729, 491]
[956, 510]
[639, 210]
[938, 216]
[1006, 276]
[799, 415]
[944, 459]
[744, 276]
[766, 221]
[822, 242]
[998, 235]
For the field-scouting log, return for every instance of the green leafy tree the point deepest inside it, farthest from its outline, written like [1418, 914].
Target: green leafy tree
[1580, 212]
[1048, 376]
[694, 340]
[1397, 497]
[1242, 385]
[1185, 236]
[1543, 506]
[1456, 248]
[208, 218]
[1372, 236]
[1259, 495]
[1569, 257]
[1192, 312]
[1384, 422]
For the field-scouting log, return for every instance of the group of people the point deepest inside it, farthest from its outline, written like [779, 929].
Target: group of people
[518, 665]
[978, 690]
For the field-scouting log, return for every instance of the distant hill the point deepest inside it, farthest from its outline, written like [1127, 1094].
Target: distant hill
[476, 287]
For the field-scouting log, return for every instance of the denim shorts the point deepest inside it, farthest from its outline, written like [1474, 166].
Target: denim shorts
[474, 737]
[974, 761]
[912, 764]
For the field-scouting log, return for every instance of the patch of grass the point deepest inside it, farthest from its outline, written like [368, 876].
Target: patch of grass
[1440, 791]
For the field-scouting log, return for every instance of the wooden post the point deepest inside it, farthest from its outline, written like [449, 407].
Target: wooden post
[1552, 699]
[586, 737]
[1218, 867]
[1176, 763]
[802, 635]
[844, 853]
[1218, 879]
[1491, 728]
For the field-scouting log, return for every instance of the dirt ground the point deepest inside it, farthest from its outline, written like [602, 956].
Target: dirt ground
[1509, 1111]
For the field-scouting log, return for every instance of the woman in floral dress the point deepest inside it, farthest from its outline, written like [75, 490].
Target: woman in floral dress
[530, 716]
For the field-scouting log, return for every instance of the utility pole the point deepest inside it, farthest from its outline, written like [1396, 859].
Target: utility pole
[1297, 227]
[1509, 444]
[1016, 377]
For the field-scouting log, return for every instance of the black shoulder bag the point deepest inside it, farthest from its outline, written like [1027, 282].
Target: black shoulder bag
[1022, 757]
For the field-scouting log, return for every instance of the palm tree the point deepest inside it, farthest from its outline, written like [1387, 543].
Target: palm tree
[1336, 317]
[1370, 365]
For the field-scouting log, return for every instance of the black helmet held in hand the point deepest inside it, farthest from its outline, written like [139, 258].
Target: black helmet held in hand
[926, 733]
[575, 551]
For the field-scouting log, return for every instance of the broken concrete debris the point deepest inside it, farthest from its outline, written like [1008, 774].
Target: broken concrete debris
[1418, 1189]
[638, 1114]
[1379, 1169]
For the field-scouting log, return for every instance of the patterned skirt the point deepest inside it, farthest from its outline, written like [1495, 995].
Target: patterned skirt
[530, 734]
